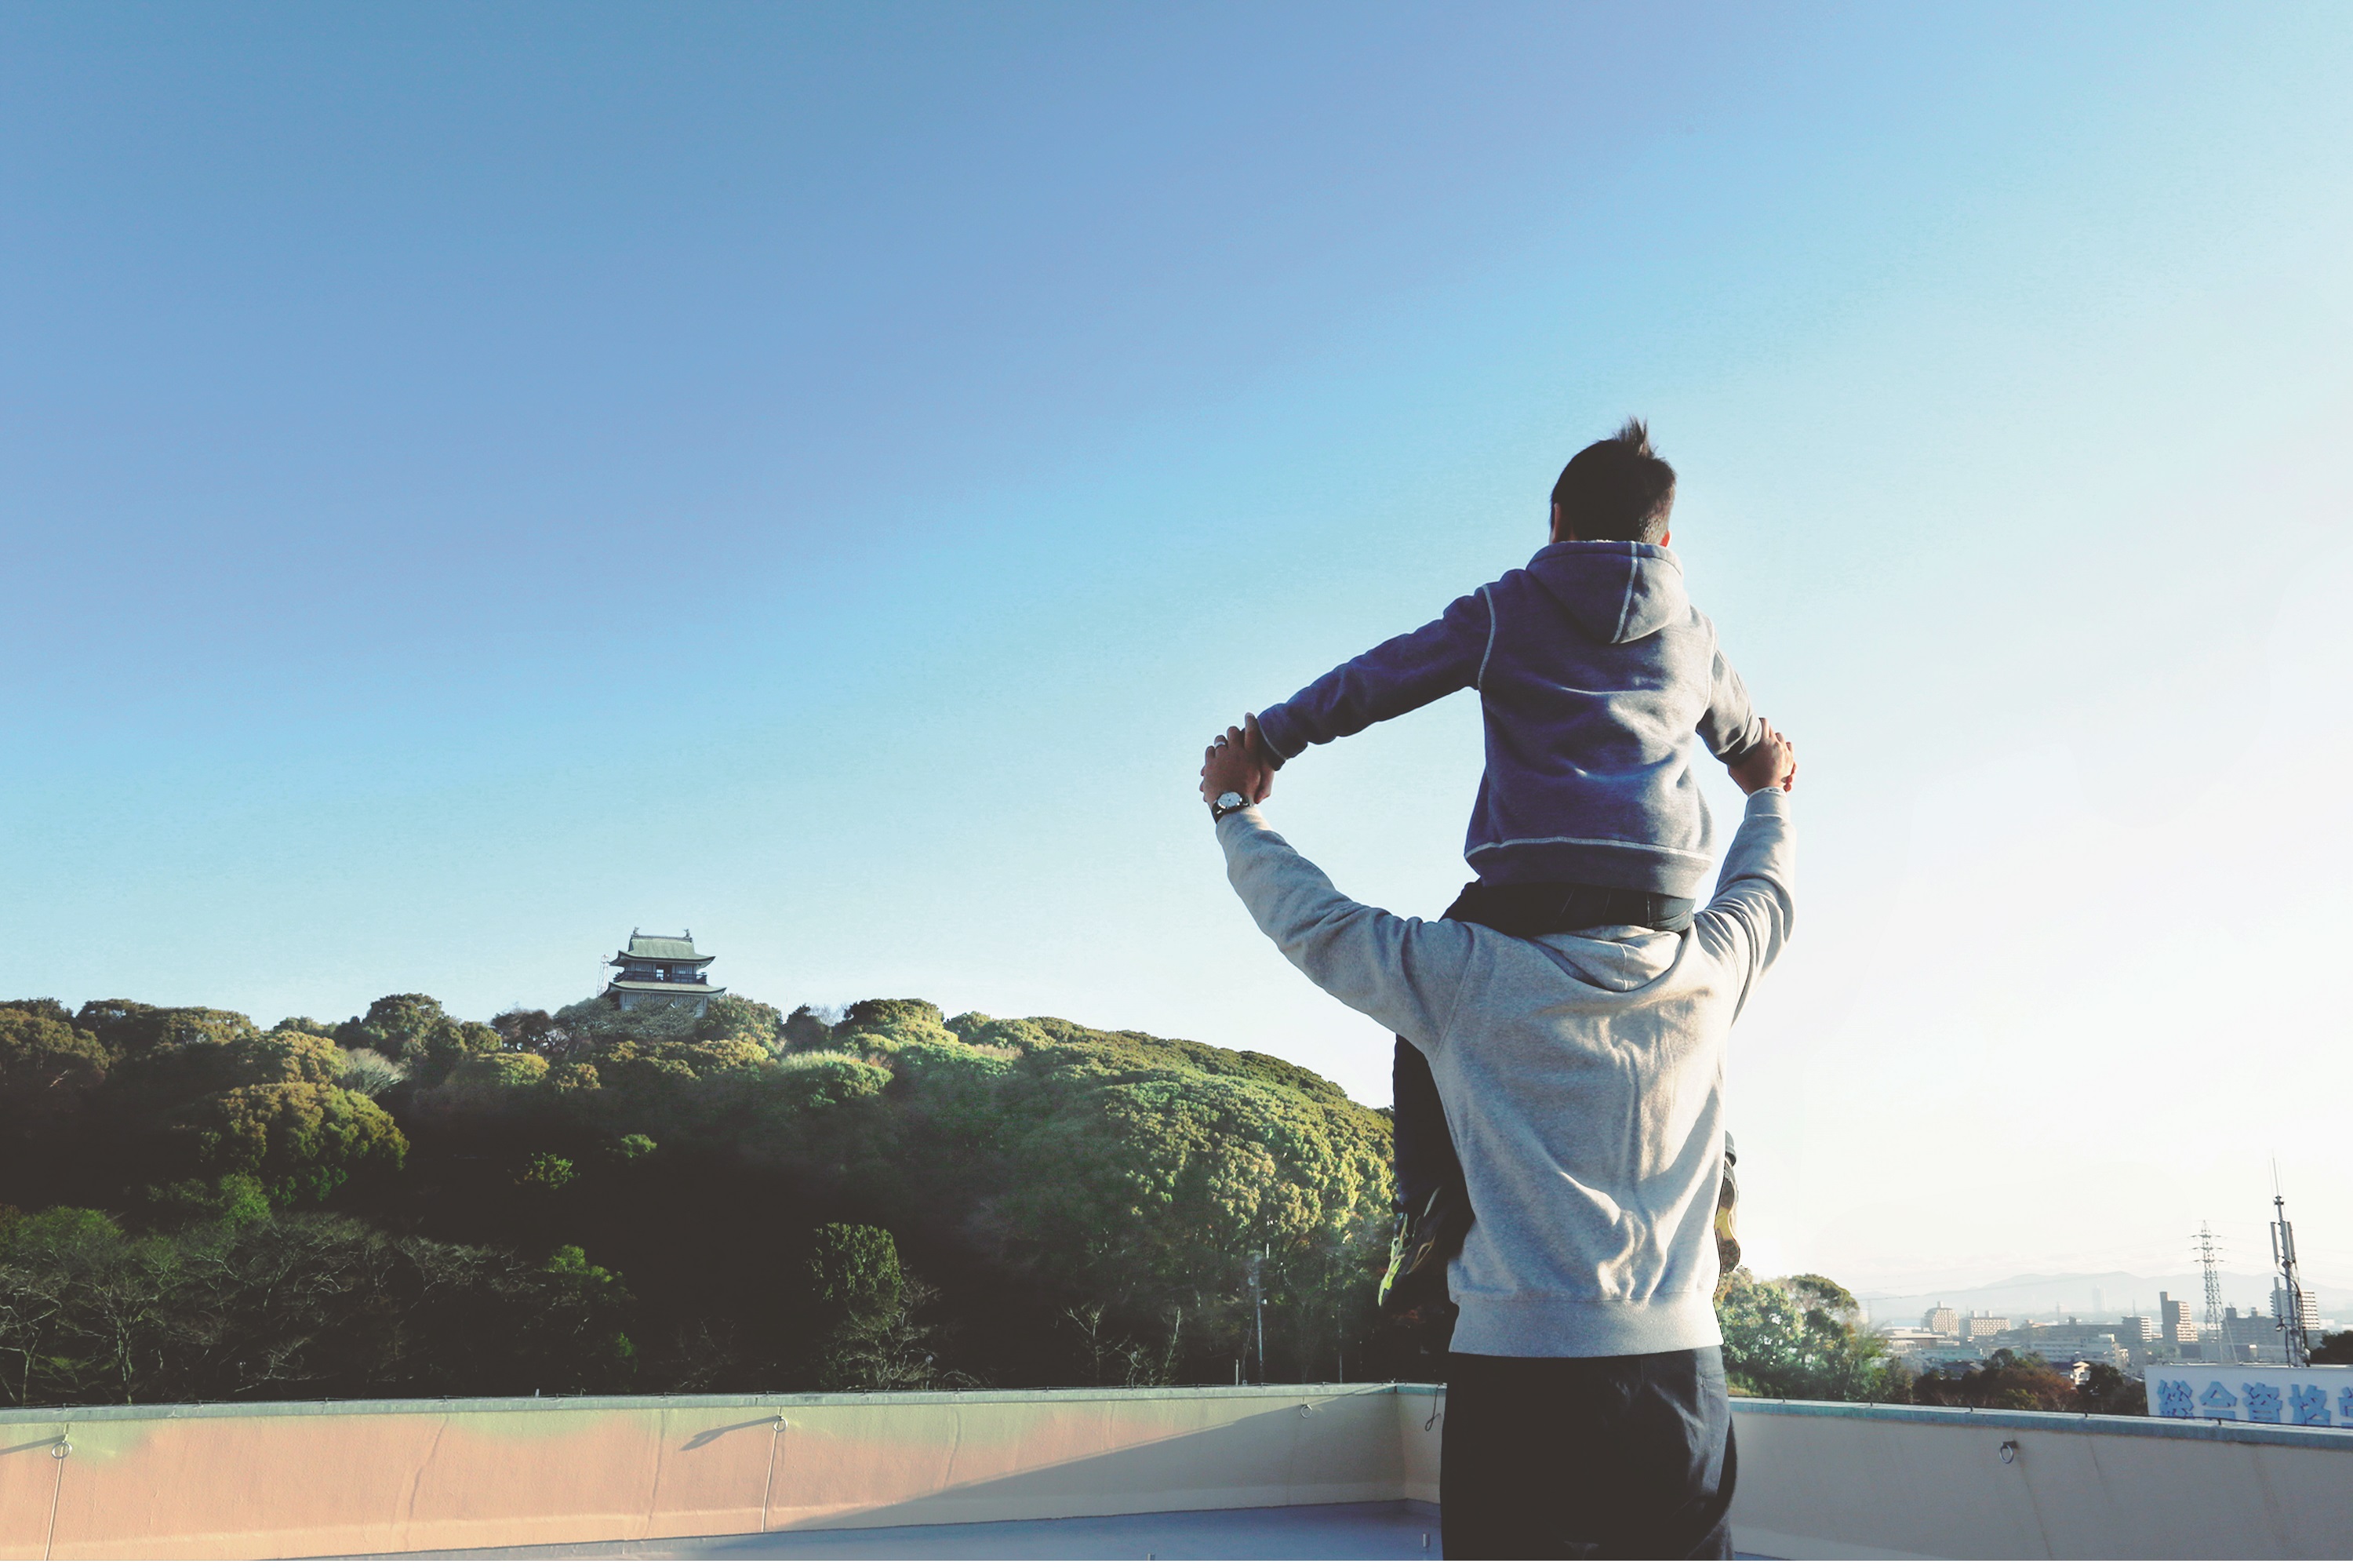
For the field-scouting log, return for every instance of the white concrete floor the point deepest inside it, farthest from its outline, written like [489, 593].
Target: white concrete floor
[1382, 1532]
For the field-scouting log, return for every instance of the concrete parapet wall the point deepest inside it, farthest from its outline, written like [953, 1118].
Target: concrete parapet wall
[299, 1480]
[1852, 1481]
[1816, 1481]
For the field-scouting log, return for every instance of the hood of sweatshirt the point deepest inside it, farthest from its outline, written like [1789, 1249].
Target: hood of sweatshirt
[1628, 959]
[1615, 592]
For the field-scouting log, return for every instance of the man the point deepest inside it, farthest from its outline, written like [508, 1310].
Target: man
[1583, 1080]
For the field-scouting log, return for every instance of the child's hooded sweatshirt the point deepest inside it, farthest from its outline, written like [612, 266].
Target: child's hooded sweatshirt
[1596, 675]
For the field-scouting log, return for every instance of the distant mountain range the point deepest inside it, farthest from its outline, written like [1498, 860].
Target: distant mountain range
[2095, 1296]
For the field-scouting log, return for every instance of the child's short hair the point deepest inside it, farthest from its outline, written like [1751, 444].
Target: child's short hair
[1617, 489]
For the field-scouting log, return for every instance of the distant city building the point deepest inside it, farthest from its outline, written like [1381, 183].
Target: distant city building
[2249, 1339]
[2251, 1336]
[1979, 1327]
[2137, 1329]
[2070, 1343]
[658, 969]
[1947, 1355]
[1942, 1320]
[1915, 1347]
[2310, 1304]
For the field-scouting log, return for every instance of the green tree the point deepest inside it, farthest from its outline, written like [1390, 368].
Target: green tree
[527, 1029]
[1131, 1172]
[134, 1030]
[301, 1141]
[285, 1056]
[2106, 1390]
[1799, 1338]
[865, 1312]
[312, 1307]
[504, 1070]
[2006, 1381]
[595, 1020]
[412, 1029]
[853, 1271]
[396, 1026]
[731, 1017]
[369, 1073]
[654, 1072]
[47, 1067]
[545, 1172]
[47, 1007]
[882, 1015]
[586, 1306]
[60, 1229]
[805, 1030]
[233, 1200]
[160, 1056]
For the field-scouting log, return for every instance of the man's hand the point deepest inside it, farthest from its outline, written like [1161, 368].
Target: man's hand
[1230, 763]
[1772, 760]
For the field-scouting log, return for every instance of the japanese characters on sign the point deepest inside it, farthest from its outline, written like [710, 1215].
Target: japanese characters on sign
[2272, 1396]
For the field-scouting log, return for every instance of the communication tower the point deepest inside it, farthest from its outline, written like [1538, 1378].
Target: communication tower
[2294, 1332]
[2209, 1259]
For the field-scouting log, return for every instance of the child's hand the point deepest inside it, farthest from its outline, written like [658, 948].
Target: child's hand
[1254, 741]
[1228, 765]
[1772, 760]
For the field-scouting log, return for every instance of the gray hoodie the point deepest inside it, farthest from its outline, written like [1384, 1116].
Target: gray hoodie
[1583, 1079]
[1596, 676]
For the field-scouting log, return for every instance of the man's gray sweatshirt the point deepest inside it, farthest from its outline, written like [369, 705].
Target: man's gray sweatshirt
[1583, 1077]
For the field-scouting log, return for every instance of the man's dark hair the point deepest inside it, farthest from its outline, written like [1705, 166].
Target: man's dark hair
[1617, 489]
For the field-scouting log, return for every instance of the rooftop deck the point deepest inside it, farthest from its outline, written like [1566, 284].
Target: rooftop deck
[1301, 1471]
[1362, 1533]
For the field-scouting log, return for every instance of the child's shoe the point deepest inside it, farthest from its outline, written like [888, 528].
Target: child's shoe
[1422, 1248]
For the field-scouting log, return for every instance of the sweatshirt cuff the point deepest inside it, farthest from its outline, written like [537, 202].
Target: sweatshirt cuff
[1247, 815]
[1275, 724]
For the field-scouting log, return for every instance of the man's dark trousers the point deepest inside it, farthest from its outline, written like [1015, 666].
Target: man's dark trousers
[1609, 1456]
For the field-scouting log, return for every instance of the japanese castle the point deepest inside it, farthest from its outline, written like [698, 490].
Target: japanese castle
[658, 969]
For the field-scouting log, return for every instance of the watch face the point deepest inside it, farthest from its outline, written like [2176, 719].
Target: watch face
[1230, 800]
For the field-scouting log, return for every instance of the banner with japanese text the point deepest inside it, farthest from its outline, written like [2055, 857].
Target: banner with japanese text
[2280, 1396]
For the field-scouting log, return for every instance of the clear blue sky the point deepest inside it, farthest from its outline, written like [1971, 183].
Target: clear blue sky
[476, 479]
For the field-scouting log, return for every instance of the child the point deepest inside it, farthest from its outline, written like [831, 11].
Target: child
[1596, 676]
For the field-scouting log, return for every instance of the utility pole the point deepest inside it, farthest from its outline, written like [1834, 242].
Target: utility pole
[2295, 1335]
[2209, 1259]
[1258, 1307]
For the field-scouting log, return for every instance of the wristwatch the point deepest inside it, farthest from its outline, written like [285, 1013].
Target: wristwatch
[1231, 801]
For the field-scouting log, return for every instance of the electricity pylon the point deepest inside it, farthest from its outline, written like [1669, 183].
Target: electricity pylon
[2209, 1259]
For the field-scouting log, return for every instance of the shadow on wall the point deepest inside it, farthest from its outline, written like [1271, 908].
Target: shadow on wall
[1330, 1449]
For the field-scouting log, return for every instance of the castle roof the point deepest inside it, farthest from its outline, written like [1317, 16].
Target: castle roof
[668, 949]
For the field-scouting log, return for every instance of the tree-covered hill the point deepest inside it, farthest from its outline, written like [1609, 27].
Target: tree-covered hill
[650, 1200]
[194, 1207]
